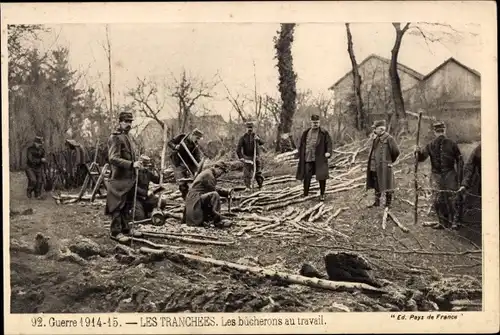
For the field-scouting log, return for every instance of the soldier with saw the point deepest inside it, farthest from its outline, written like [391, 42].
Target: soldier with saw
[446, 175]
[121, 184]
[146, 202]
[203, 201]
[184, 167]
[248, 151]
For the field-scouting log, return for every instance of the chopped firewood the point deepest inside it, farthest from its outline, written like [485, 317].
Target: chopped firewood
[185, 239]
[267, 227]
[308, 212]
[315, 216]
[384, 217]
[290, 278]
[429, 223]
[396, 221]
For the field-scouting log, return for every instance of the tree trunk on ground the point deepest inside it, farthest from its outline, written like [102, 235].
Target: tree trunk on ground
[360, 115]
[398, 119]
[287, 79]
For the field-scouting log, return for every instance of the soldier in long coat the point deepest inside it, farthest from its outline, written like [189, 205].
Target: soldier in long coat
[379, 173]
[146, 202]
[181, 160]
[314, 150]
[247, 145]
[34, 169]
[203, 202]
[472, 171]
[121, 185]
[446, 175]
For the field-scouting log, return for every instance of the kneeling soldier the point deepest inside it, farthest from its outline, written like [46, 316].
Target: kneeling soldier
[203, 203]
[145, 203]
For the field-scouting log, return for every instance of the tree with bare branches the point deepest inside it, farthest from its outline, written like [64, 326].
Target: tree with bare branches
[356, 80]
[287, 78]
[107, 50]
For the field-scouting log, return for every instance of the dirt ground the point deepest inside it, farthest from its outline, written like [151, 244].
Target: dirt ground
[102, 282]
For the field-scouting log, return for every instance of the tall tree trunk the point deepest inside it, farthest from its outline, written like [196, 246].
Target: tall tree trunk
[399, 116]
[110, 83]
[356, 79]
[287, 79]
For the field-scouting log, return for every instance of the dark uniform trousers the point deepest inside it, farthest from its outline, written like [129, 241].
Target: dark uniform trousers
[121, 217]
[144, 207]
[446, 203]
[35, 181]
[310, 170]
[211, 205]
[248, 173]
[378, 194]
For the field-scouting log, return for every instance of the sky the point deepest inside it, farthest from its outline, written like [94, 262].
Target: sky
[160, 51]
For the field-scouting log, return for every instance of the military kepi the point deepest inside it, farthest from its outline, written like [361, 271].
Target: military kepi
[379, 123]
[38, 139]
[249, 124]
[315, 117]
[439, 126]
[197, 132]
[126, 116]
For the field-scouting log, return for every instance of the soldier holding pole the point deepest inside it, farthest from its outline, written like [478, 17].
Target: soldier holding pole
[446, 175]
[185, 158]
[248, 151]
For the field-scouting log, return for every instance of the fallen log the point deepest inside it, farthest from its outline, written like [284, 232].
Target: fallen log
[308, 212]
[337, 212]
[396, 221]
[290, 278]
[184, 239]
[384, 217]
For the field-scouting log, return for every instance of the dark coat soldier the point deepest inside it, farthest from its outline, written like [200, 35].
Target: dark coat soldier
[146, 202]
[34, 169]
[184, 167]
[379, 174]
[446, 175]
[121, 185]
[472, 171]
[314, 150]
[203, 202]
[78, 158]
[286, 143]
[248, 145]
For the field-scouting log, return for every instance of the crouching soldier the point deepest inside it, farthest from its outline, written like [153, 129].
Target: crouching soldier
[145, 202]
[184, 167]
[35, 165]
[203, 203]
[446, 175]
[248, 150]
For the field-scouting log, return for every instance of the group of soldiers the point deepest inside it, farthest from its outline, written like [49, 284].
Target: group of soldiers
[128, 197]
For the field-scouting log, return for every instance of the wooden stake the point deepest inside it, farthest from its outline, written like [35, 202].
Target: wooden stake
[384, 218]
[415, 176]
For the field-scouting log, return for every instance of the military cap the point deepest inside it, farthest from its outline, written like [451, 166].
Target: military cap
[249, 124]
[315, 117]
[145, 159]
[126, 116]
[197, 132]
[379, 123]
[38, 139]
[439, 125]
[72, 142]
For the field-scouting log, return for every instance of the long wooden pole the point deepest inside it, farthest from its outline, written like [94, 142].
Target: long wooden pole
[415, 176]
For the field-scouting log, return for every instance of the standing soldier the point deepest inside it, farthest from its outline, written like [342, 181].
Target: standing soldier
[314, 150]
[446, 175]
[379, 174]
[34, 170]
[124, 167]
[184, 167]
[472, 170]
[248, 146]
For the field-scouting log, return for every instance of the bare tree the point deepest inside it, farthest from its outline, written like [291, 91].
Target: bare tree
[188, 90]
[149, 99]
[356, 79]
[287, 78]
[107, 50]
